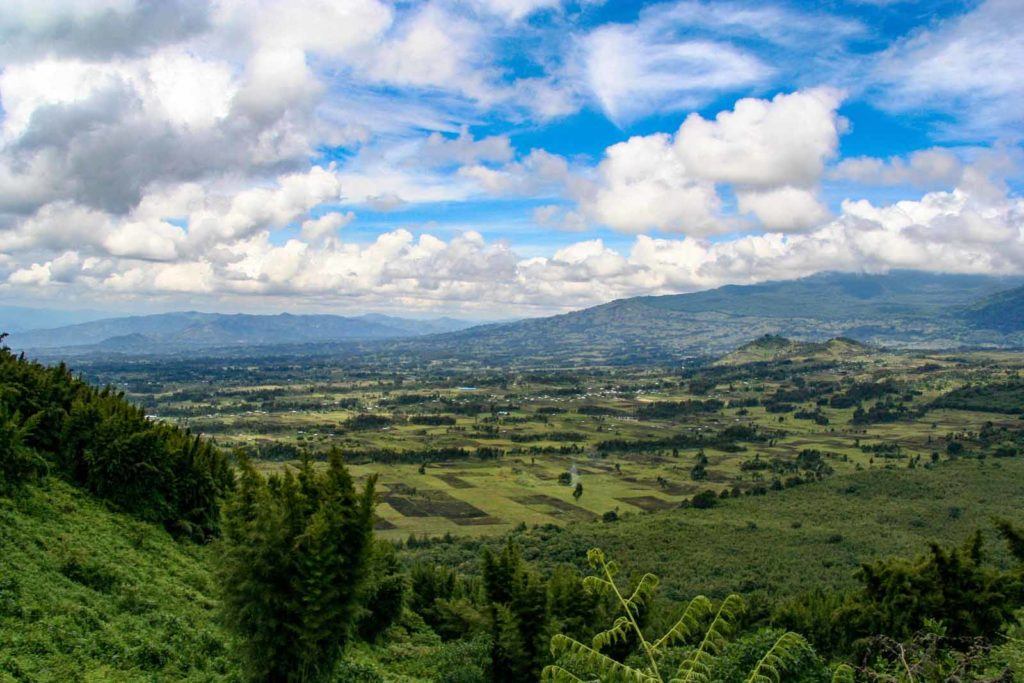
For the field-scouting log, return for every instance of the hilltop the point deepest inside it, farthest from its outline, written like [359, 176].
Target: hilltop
[774, 347]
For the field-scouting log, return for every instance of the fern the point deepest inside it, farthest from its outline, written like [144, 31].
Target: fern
[556, 674]
[786, 651]
[586, 658]
[696, 613]
[575, 657]
[697, 667]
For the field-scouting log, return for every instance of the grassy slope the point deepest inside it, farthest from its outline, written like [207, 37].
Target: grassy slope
[98, 596]
[87, 594]
[791, 541]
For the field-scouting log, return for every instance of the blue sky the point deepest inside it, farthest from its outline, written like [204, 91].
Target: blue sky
[493, 158]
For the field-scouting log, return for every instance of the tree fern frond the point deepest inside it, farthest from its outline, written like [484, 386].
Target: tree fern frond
[844, 673]
[644, 591]
[556, 674]
[696, 668]
[589, 659]
[783, 654]
[595, 584]
[696, 613]
[619, 632]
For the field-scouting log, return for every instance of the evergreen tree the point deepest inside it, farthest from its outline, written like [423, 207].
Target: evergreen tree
[294, 557]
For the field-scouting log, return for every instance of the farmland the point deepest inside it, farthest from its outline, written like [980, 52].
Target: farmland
[478, 452]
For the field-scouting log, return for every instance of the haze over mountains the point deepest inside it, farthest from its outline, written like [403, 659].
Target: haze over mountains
[169, 332]
[906, 309]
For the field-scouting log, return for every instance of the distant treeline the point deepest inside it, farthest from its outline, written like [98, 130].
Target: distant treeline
[1007, 397]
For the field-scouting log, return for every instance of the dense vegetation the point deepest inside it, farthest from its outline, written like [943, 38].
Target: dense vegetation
[50, 420]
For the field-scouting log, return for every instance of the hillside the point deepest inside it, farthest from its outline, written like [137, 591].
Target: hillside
[178, 331]
[1002, 312]
[905, 309]
[91, 594]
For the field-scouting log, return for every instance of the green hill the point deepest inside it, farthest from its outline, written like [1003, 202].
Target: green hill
[91, 594]
[774, 347]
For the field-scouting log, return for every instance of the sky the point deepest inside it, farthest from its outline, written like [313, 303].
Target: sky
[497, 158]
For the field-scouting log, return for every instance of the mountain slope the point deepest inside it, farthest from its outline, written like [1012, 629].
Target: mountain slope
[1002, 312]
[177, 331]
[904, 309]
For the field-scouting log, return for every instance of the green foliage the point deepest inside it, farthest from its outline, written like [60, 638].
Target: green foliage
[517, 601]
[90, 594]
[951, 586]
[295, 554]
[383, 594]
[580, 662]
[98, 440]
[18, 462]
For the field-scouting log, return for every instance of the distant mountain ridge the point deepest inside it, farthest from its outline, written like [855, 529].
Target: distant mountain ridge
[173, 331]
[903, 309]
[899, 309]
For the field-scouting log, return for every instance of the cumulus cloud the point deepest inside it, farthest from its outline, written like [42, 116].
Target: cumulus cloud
[773, 151]
[96, 29]
[975, 228]
[325, 226]
[787, 208]
[785, 140]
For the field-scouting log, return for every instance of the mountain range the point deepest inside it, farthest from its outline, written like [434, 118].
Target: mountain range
[901, 309]
[176, 331]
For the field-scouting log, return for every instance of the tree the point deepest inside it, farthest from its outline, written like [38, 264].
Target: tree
[518, 605]
[294, 556]
[578, 491]
[955, 587]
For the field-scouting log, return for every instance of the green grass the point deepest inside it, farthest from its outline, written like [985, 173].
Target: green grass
[87, 594]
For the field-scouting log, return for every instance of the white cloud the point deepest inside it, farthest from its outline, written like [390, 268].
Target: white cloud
[515, 10]
[785, 140]
[643, 186]
[968, 66]
[934, 167]
[326, 225]
[787, 208]
[971, 229]
[633, 71]
[772, 151]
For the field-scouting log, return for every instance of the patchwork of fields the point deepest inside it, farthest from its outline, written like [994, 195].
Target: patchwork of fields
[477, 452]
